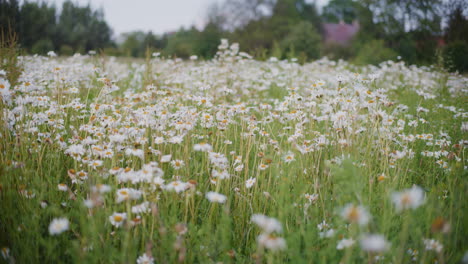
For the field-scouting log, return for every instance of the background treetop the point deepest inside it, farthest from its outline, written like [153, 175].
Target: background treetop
[413, 30]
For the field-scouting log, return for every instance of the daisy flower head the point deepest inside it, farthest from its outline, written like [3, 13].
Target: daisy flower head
[145, 259]
[141, 208]
[126, 194]
[62, 187]
[176, 186]
[101, 188]
[327, 233]
[432, 244]
[58, 226]
[345, 243]
[267, 224]
[374, 243]
[355, 214]
[166, 158]
[215, 197]
[118, 219]
[89, 203]
[271, 242]
[158, 182]
[96, 163]
[176, 139]
[239, 168]
[408, 199]
[204, 147]
[311, 197]
[289, 157]
[177, 164]
[250, 182]
[159, 140]
[263, 166]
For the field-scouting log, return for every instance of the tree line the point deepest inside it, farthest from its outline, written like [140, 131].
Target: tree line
[418, 31]
[40, 28]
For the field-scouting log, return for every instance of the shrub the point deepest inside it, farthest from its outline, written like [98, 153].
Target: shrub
[336, 51]
[9, 52]
[66, 50]
[374, 52]
[303, 39]
[42, 46]
[456, 56]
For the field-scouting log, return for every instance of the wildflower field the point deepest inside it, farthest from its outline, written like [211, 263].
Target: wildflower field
[232, 160]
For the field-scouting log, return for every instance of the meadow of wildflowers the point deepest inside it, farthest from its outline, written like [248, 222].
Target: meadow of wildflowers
[232, 160]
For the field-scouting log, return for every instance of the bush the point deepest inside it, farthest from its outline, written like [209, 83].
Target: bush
[303, 39]
[111, 51]
[42, 46]
[456, 56]
[336, 51]
[374, 52]
[9, 52]
[66, 50]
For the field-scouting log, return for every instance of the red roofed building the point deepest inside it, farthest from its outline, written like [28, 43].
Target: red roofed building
[341, 33]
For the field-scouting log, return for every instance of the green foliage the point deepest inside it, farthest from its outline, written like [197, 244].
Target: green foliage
[289, 17]
[40, 29]
[133, 44]
[82, 28]
[9, 15]
[374, 52]
[304, 39]
[263, 28]
[65, 50]
[43, 46]
[336, 51]
[340, 10]
[457, 28]
[456, 56]
[9, 52]
[207, 41]
[455, 53]
[408, 49]
[31, 163]
[180, 43]
[415, 41]
[348, 182]
[276, 50]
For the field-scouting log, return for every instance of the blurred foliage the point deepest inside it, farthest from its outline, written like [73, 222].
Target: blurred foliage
[340, 10]
[180, 43]
[41, 29]
[374, 52]
[303, 39]
[263, 28]
[9, 53]
[456, 56]
[455, 53]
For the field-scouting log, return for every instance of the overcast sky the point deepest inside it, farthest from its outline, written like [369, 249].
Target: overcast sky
[158, 16]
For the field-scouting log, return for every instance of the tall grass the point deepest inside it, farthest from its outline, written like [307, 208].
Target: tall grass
[349, 129]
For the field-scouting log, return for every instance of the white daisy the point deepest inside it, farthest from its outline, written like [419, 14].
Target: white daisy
[268, 224]
[408, 199]
[118, 219]
[374, 243]
[271, 242]
[355, 214]
[250, 182]
[345, 243]
[215, 197]
[58, 225]
[145, 259]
